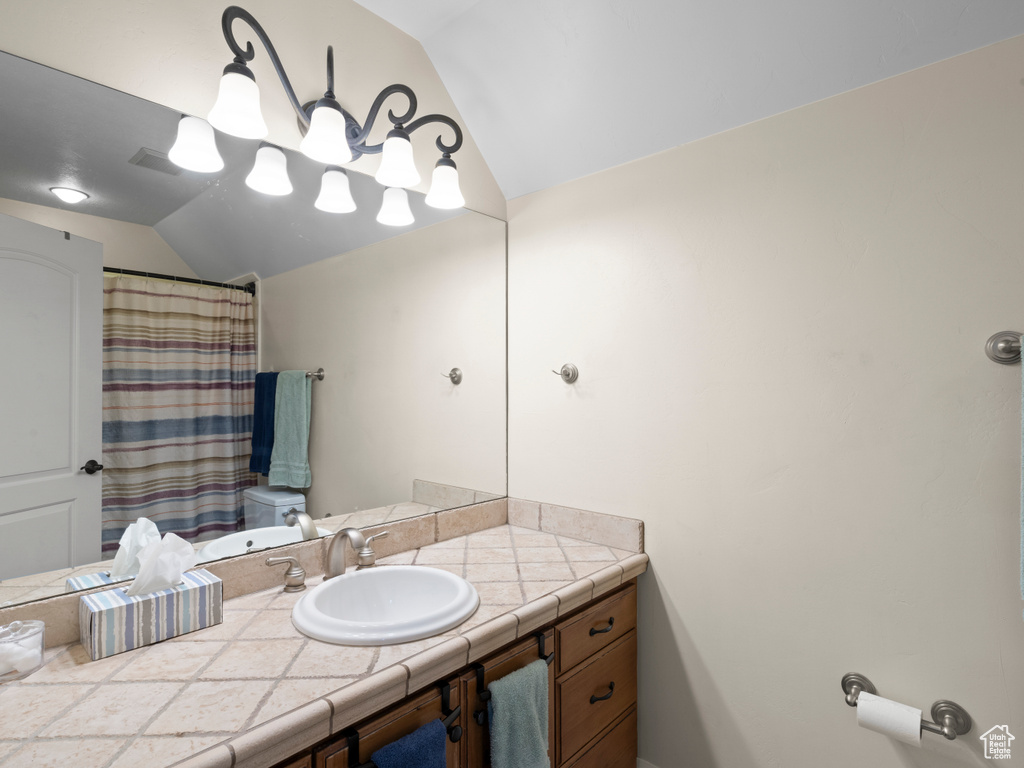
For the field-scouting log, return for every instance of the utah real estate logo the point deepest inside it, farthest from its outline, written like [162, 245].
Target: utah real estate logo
[997, 742]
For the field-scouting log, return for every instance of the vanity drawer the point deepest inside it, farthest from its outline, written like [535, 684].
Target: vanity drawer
[587, 702]
[616, 749]
[596, 628]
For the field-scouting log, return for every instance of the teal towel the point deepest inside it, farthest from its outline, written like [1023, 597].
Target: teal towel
[289, 461]
[519, 718]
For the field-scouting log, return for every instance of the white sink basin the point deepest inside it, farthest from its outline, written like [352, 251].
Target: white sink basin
[385, 605]
[252, 541]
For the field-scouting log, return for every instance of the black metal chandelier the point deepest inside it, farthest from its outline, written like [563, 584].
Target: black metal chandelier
[331, 135]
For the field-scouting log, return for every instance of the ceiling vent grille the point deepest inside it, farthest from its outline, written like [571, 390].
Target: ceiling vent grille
[155, 161]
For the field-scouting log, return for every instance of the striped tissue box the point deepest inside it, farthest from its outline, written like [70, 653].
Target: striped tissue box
[111, 622]
[90, 580]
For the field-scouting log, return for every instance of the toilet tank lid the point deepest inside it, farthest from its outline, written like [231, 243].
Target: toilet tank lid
[274, 496]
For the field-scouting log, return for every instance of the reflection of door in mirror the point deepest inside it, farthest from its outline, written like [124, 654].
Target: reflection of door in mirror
[179, 361]
[49, 398]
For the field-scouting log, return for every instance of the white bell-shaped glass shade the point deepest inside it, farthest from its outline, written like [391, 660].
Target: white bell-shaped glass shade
[444, 188]
[325, 141]
[195, 148]
[269, 173]
[397, 167]
[237, 109]
[395, 211]
[335, 194]
[68, 195]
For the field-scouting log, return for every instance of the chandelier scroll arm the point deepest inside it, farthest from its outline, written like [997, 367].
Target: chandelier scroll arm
[371, 116]
[233, 12]
[444, 148]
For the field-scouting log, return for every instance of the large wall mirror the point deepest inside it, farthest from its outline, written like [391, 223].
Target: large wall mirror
[388, 313]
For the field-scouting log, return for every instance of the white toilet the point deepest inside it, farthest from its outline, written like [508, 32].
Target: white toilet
[266, 505]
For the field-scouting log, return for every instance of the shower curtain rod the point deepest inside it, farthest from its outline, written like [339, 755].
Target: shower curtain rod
[248, 287]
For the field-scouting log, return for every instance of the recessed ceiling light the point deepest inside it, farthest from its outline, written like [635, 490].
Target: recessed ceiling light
[71, 196]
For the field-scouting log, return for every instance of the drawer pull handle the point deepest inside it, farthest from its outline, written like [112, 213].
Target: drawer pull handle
[611, 690]
[593, 631]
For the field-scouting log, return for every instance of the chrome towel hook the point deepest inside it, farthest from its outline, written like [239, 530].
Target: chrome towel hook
[1003, 347]
[569, 373]
[455, 374]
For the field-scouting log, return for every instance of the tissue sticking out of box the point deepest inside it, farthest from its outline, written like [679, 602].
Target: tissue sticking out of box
[135, 538]
[161, 564]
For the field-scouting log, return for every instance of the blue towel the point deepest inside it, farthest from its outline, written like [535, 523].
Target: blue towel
[263, 422]
[518, 712]
[423, 748]
[289, 460]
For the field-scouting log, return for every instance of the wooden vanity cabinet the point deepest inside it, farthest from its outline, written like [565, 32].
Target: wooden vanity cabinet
[354, 746]
[592, 689]
[595, 691]
[477, 747]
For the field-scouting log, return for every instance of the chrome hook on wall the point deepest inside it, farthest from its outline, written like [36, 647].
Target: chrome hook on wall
[569, 373]
[1003, 347]
[455, 374]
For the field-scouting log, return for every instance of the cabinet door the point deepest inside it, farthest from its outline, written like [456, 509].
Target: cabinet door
[355, 745]
[476, 752]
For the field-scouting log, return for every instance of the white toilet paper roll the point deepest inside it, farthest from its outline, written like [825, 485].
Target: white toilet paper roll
[889, 717]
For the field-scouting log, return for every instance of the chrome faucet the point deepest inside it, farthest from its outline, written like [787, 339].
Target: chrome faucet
[336, 551]
[305, 523]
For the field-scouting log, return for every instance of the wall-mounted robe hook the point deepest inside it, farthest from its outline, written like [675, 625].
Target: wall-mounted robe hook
[569, 373]
[1003, 347]
[455, 375]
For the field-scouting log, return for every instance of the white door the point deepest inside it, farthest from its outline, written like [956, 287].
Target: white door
[51, 320]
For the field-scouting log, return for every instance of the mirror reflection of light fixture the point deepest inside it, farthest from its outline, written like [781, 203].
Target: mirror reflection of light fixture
[195, 148]
[397, 167]
[68, 195]
[444, 186]
[335, 194]
[394, 210]
[332, 135]
[237, 109]
[269, 173]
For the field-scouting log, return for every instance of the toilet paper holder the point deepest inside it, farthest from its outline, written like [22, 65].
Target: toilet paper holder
[951, 720]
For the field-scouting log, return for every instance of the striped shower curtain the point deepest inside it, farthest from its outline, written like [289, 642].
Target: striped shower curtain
[179, 362]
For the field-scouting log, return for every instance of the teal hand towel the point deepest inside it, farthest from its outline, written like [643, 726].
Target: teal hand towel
[519, 718]
[289, 461]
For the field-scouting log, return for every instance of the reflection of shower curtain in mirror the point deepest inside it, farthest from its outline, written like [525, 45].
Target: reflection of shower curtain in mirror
[179, 362]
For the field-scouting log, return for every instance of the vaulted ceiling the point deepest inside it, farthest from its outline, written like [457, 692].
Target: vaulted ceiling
[555, 90]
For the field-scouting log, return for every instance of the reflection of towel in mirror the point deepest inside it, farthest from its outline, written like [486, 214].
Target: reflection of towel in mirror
[289, 460]
[519, 718]
[263, 422]
[423, 748]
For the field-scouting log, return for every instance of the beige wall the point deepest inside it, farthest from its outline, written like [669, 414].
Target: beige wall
[173, 53]
[779, 332]
[385, 322]
[125, 245]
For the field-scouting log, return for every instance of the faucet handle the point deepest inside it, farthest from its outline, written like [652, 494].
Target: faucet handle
[294, 577]
[367, 556]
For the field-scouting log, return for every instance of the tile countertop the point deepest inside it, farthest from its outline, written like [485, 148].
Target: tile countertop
[253, 690]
